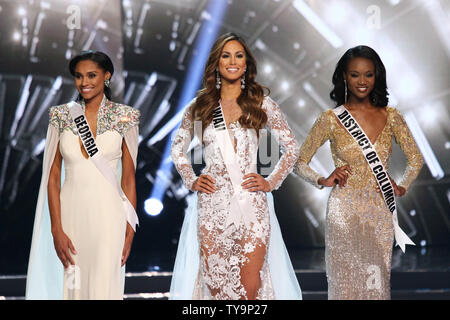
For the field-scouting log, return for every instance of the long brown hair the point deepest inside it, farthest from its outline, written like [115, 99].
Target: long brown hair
[250, 99]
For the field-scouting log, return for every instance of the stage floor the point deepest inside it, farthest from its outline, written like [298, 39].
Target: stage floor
[422, 273]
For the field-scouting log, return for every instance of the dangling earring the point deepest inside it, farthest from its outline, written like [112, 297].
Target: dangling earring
[218, 81]
[107, 83]
[243, 80]
[345, 84]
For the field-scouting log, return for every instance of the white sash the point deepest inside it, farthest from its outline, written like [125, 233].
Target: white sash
[87, 138]
[240, 205]
[378, 170]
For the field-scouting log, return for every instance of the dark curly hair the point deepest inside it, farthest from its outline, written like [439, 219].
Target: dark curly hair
[379, 94]
[103, 61]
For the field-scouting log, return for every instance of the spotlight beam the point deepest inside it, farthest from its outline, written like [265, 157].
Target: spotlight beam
[318, 23]
[424, 146]
[212, 18]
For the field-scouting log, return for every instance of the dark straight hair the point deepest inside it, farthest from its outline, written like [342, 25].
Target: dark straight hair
[103, 61]
[379, 94]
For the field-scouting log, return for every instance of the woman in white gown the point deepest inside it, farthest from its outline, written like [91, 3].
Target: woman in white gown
[230, 245]
[82, 235]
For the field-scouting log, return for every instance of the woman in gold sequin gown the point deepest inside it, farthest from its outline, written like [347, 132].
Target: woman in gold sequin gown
[359, 229]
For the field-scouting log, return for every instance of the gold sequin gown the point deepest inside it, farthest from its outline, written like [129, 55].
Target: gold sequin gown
[359, 230]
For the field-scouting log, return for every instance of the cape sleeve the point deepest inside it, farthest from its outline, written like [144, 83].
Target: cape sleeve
[131, 137]
[45, 271]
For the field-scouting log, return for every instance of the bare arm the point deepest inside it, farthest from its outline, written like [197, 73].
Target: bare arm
[54, 189]
[63, 245]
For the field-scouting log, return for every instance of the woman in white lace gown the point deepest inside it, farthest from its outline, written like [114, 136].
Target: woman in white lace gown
[216, 258]
[84, 223]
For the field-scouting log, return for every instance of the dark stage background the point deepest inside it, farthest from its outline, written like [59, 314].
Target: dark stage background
[158, 49]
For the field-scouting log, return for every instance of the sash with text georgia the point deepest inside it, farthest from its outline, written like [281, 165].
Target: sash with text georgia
[89, 144]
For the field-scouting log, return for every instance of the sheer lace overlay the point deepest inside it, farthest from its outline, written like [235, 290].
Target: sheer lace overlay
[233, 260]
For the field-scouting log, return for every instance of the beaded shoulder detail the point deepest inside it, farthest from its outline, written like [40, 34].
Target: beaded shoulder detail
[118, 117]
[111, 116]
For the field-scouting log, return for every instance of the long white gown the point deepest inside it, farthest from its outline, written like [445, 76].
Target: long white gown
[213, 258]
[92, 212]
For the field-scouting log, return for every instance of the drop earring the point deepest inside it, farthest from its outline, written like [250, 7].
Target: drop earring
[107, 83]
[345, 84]
[243, 80]
[218, 81]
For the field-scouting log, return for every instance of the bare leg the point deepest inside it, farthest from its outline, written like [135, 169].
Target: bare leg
[250, 271]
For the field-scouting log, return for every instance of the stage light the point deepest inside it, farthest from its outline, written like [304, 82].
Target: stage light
[296, 45]
[424, 146]
[307, 87]
[285, 86]
[301, 103]
[318, 23]
[311, 218]
[21, 11]
[172, 45]
[153, 206]
[20, 109]
[394, 2]
[45, 5]
[315, 95]
[166, 129]
[409, 86]
[101, 24]
[412, 213]
[267, 68]
[430, 115]
[447, 145]
[16, 36]
[336, 13]
[39, 148]
[260, 45]
[423, 243]
[207, 33]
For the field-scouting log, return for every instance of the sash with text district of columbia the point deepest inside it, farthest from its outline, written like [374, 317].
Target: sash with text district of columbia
[377, 168]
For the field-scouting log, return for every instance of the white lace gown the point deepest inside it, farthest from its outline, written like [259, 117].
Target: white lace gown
[92, 213]
[228, 253]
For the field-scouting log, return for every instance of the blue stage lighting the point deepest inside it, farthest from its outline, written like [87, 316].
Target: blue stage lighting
[153, 206]
[207, 35]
